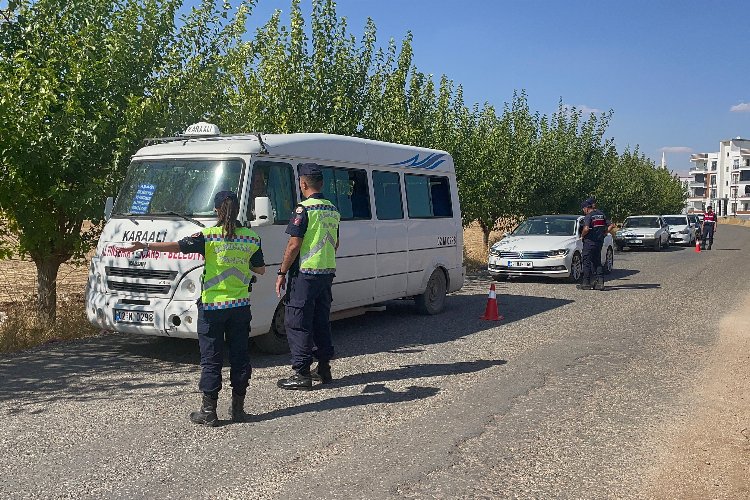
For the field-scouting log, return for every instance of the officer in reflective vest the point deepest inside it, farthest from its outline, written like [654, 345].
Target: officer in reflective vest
[595, 229]
[232, 253]
[310, 262]
[708, 228]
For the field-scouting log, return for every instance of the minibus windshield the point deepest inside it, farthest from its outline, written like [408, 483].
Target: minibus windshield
[182, 186]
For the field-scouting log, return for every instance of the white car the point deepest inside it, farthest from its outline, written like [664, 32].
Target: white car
[548, 245]
[643, 231]
[680, 229]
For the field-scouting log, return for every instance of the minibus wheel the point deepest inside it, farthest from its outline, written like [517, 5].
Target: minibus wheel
[432, 301]
[274, 342]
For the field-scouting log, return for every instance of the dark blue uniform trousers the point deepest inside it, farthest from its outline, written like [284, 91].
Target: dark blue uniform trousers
[592, 260]
[213, 326]
[708, 234]
[307, 319]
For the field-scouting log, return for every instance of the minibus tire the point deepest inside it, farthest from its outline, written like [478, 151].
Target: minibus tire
[432, 301]
[275, 341]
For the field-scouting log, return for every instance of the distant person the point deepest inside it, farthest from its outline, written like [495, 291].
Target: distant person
[232, 254]
[310, 260]
[708, 229]
[595, 229]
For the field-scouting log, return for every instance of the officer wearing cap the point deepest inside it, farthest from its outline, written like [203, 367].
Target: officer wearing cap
[595, 229]
[232, 252]
[310, 263]
[708, 228]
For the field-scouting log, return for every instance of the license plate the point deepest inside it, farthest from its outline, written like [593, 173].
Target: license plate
[520, 263]
[635, 241]
[143, 317]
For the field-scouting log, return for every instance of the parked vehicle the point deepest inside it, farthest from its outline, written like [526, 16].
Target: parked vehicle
[400, 232]
[649, 231]
[681, 230]
[548, 245]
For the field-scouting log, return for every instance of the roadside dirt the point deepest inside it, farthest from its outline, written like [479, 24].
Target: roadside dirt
[708, 455]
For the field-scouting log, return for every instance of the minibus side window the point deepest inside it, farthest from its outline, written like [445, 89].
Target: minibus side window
[440, 193]
[276, 181]
[387, 186]
[348, 190]
[428, 196]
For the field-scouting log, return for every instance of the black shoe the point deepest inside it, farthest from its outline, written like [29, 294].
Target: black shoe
[322, 373]
[584, 286]
[207, 414]
[237, 410]
[296, 382]
[598, 284]
[708, 247]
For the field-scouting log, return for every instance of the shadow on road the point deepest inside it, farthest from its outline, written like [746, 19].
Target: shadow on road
[371, 394]
[122, 366]
[640, 286]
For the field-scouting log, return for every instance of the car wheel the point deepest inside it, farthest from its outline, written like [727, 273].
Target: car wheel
[609, 261]
[576, 267]
[432, 301]
[275, 341]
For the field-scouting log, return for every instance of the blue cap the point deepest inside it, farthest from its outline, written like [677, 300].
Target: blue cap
[223, 195]
[310, 169]
[587, 203]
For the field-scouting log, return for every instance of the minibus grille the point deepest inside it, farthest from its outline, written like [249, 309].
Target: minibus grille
[148, 274]
[120, 286]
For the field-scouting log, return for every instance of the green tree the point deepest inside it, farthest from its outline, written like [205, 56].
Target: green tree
[80, 83]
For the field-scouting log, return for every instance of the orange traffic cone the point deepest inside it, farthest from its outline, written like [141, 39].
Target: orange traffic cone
[697, 245]
[490, 312]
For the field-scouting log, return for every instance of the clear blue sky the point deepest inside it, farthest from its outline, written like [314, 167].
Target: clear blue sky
[671, 70]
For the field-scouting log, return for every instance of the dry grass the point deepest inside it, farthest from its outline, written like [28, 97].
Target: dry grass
[475, 253]
[19, 328]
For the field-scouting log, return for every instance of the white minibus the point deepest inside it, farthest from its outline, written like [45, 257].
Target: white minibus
[400, 233]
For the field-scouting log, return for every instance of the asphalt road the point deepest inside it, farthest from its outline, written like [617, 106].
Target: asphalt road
[567, 397]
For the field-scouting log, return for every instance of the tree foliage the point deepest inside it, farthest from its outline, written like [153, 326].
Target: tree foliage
[83, 82]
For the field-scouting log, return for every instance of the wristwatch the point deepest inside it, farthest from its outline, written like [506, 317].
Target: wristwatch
[281, 273]
[146, 247]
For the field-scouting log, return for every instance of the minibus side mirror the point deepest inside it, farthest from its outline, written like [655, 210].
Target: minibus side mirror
[108, 206]
[263, 212]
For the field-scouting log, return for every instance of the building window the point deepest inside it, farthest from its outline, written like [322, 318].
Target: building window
[713, 165]
[736, 163]
[747, 162]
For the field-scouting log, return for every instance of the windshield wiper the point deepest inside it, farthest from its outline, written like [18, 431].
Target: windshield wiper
[183, 216]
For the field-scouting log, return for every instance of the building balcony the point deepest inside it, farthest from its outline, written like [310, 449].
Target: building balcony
[693, 184]
[698, 170]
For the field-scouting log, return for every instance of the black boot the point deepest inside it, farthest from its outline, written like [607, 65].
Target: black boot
[207, 414]
[238, 409]
[322, 373]
[297, 382]
[598, 284]
[585, 285]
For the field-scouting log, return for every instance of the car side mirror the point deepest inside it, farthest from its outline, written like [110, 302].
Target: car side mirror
[263, 212]
[108, 206]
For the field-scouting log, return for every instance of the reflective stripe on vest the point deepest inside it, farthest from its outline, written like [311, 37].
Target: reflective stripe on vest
[318, 251]
[710, 218]
[227, 273]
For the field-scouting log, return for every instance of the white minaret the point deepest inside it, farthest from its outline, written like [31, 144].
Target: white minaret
[663, 161]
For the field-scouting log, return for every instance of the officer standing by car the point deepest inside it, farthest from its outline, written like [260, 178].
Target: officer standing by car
[310, 261]
[708, 229]
[595, 229]
[232, 253]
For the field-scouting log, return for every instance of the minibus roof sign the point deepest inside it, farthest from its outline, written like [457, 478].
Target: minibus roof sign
[202, 129]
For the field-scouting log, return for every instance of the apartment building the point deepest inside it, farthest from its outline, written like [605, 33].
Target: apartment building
[721, 179]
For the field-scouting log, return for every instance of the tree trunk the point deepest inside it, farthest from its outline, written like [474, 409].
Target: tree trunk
[486, 230]
[46, 278]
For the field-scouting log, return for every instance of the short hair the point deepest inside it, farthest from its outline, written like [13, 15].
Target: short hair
[314, 181]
